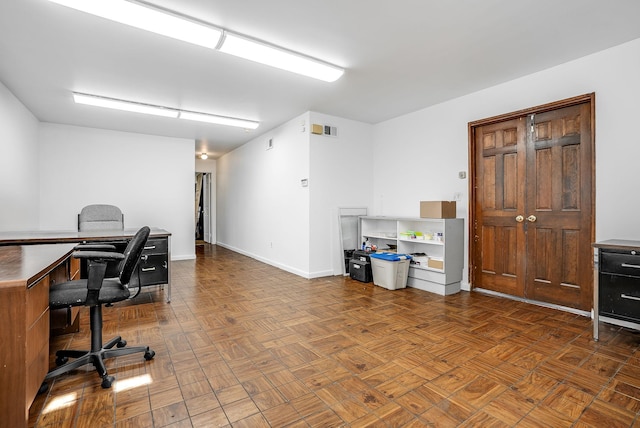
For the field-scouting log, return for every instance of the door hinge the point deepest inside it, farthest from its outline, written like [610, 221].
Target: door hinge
[533, 121]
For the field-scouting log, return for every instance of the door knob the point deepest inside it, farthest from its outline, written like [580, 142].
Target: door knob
[520, 219]
[532, 218]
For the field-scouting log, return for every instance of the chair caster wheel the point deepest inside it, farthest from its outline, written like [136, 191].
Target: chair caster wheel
[149, 354]
[43, 388]
[121, 344]
[61, 360]
[107, 381]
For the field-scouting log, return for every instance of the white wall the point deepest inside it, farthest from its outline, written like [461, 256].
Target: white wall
[262, 210]
[150, 178]
[18, 166]
[340, 173]
[265, 212]
[425, 150]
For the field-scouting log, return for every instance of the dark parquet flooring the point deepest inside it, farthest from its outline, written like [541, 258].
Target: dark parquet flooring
[244, 344]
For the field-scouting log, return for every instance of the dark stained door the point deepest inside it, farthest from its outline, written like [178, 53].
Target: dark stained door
[500, 172]
[558, 207]
[532, 219]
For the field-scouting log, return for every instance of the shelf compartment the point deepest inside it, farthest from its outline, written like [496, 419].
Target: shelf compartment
[372, 236]
[421, 267]
[422, 241]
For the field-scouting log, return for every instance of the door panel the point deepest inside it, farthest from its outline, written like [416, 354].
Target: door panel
[501, 175]
[558, 173]
[532, 220]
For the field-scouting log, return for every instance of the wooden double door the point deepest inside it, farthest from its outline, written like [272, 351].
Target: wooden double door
[532, 203]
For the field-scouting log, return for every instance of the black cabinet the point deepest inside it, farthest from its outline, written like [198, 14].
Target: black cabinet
[154, 267]
[154, 262]
[617, 282]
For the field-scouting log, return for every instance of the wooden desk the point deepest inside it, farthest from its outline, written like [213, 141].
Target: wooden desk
[155, 264]
[25, 275]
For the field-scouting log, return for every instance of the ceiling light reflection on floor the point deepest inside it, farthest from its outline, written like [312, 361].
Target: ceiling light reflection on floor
[132, 382]
[61, 402]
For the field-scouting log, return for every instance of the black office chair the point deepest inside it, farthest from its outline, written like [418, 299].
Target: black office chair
[95, 291]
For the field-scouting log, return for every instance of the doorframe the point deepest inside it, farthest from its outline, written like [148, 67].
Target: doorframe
[568, 102]
[206, 207]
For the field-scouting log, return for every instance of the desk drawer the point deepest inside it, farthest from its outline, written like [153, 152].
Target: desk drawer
[619, 297]
[154, 269]
[37, 300]
[156, 246]
[620, 262]
[37, 357]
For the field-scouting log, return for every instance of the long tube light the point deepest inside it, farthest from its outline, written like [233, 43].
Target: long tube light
[264, 53]
[151, 18]
[133, 106]
[113, 103]
[219, 120]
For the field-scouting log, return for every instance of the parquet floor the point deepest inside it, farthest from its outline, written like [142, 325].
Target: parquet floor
[244, 344]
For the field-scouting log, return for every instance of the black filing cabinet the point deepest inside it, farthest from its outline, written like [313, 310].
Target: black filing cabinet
[154, 262]
[617, 283]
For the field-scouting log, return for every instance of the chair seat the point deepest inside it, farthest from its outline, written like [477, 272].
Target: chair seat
[74, 293]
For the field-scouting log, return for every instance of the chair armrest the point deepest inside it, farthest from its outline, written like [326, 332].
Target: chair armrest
[97, 247]
[98, 255]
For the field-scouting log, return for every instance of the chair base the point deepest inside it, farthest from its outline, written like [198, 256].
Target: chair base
[98, 352]
[96, 358]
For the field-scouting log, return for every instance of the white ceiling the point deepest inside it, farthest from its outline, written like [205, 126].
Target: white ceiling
[400, 56]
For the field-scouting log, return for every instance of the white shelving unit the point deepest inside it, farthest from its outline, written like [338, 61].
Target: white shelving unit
[392, 231]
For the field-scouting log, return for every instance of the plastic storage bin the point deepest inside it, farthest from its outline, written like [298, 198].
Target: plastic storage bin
[390, 270]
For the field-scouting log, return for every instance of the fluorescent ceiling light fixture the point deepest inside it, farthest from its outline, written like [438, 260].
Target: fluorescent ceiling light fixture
[113, 103]
[142, 15]
[220, 120]
[133, 106]
[157, 21]
[274, 56]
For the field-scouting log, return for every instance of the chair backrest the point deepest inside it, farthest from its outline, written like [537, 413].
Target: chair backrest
[132, 254]
[100, 217]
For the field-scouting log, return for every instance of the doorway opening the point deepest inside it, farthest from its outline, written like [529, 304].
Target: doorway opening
[204, 217]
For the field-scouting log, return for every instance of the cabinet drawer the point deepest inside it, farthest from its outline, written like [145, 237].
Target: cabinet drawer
[154, 270]
[619, 297]
[156, 246]
[623, 263]
[427, 275]
[37, 355]
[37, 301]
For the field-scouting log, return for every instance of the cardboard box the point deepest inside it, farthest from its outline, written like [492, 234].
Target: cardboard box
[435, 263]
[438, 209]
